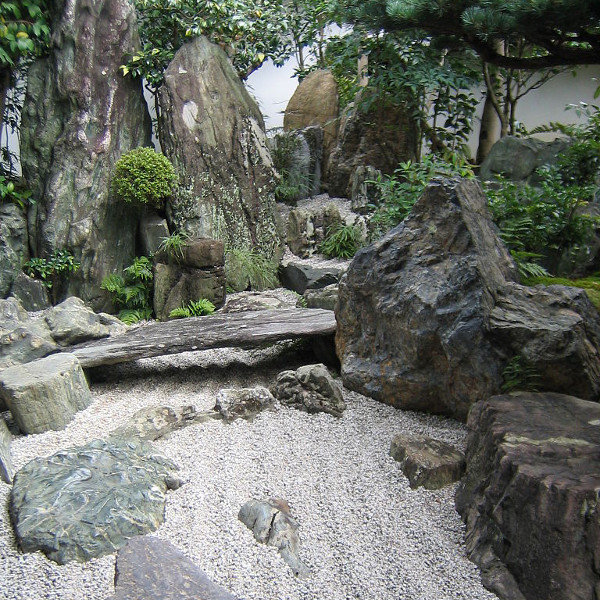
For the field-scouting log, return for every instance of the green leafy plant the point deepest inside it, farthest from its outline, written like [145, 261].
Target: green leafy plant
[520, 375]
[341, 241]
[144, 176]
[174, 244]
[291, 184]
[47, 270]
[197, 308]
[13, 192]
[249, 269]
[130, 292]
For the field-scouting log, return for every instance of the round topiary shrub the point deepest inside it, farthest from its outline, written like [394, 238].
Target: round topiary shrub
[144, 176]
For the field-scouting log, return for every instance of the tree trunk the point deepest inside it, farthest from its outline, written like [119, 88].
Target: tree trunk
[489, 131]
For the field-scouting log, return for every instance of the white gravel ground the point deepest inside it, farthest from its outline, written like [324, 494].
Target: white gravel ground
[365, 534]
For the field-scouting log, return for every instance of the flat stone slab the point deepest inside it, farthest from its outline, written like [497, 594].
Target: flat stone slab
[426, 461]
[45, 394]
[238, 330]
[88, 501]
[151, 569]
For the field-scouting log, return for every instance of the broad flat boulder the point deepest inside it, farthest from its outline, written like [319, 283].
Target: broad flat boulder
[310, 388]
[80, 115]
[13, 244]
[213, 132]
[243, 403]
[45, 394]
[87, 501]
[6, 468]
[426, 461]
[530, 496]
[151, 569]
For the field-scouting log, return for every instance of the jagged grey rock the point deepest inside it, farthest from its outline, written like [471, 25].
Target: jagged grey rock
[325, 298]
[530, 495]
[153, 230]
[80, 115]
[243, 403]
[31, 293]
[364, 193]
[310, 388]
[149, 568]
[13, 244]
[307, 229]
[45, 394]
[213, 132]
[299, 277]
[6, 468]
[272, 524]
[88, 501]
[426, 461]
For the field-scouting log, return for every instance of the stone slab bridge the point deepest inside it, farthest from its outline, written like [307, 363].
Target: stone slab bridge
[231, 330]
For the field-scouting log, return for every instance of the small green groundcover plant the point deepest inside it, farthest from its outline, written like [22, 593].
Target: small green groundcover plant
[197, 308]
[341, 241]
[520, 375]
[47, 270]
[144, 176]
[130, 292]
[248, 269]
[174, 244]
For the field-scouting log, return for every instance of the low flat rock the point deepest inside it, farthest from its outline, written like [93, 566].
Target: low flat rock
[426, 461]
[299, 277]
[243, 403]
[238, 330]
[151, 569]
[88, 501]
[530, 496]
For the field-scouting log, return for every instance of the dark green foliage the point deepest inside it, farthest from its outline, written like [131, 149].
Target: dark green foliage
[47, 270]
[174, 244]
[130, 292]
[341, 241]
[144, 176]
[520, 375]
[249, 269]
[15, 192]
[291, 184]
[196, 308]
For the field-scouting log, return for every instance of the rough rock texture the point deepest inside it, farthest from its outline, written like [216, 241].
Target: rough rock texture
[88, 501]
[310, 388]
[518, 158]
[253, 301]
[426, 461]
[429, 316]
[300, 277]
[530, 496]
[151, 569]
[322, 298]
[364, 193]
[80, 115]
[213, 132]
[272, 524]
[45, 394]
[379, 138]
[153, 229]
[31, 293]
[6, 468]
[13, 244]
[315, 102]
[243, 403]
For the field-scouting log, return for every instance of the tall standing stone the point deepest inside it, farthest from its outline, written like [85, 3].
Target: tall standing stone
[213, 132]
[80, 116]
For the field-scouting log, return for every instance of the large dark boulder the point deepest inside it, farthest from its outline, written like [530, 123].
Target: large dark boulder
[213, 132]
[530, 496]
[80, 115]
[430, 315]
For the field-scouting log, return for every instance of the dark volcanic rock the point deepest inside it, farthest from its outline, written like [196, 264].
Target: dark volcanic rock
[151, 569]
[299, 277]
[80, 115]
[88, 501]
[530, 496]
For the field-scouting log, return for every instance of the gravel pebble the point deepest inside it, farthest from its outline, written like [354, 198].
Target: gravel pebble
[364, 533]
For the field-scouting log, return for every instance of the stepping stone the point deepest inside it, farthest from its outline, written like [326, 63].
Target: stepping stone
[151, 569]
[427, 462]
[45, 394]
[88, 501]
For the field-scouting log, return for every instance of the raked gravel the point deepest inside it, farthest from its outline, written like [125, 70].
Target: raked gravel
[364, 533]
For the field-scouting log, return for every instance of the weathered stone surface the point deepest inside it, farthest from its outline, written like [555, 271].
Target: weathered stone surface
[31, 293]
[272, 524]
[6, 468]
[243, 403]
[322, 298]
[248, 329]
[213, 132]
[80, 115]
[364, 193]
[300, 276]
[310, 388]
[426, 461]
[72, 322]
[253, 301]
[315, 102]
[380, 139]
[153, 229]
[45, 394]
[530, 496]
[151, 569]
[203, 253]
[177, 285]
[13, 244]
[518, 158]
[88, 501]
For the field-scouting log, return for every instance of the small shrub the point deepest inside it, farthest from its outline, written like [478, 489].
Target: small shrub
[144, 176]
[12, 191]
[249, 269]
[47, 270]
[174, 244]
[341, 241]
[519, 375]
[197, 308]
